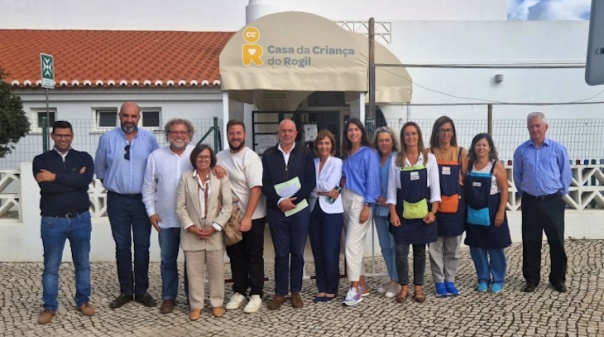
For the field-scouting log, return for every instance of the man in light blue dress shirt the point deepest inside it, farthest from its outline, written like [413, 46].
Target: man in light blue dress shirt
[121, 158]
[542, 176]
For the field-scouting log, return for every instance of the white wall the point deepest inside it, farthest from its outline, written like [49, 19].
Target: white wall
[221, 15]
[514, 42]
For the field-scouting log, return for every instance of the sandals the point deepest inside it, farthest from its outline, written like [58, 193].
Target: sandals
[402, 296]
[418, 295]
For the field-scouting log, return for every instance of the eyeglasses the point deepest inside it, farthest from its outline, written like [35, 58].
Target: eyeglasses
[203, 158]
[450, 131]
[178, 133]
[127, 154]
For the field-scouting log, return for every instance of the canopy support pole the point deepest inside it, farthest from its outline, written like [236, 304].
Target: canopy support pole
[225, 117]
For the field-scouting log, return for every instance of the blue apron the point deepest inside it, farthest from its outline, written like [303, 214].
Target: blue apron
[452, 211]
[477, 188]
[412, 206]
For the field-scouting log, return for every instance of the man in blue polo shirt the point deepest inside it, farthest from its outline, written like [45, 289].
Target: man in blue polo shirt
[64, 175]
[121, 159]
[542, 176]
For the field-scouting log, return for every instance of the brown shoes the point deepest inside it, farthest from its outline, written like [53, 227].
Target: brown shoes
[86, 309]
[297, 300]
[276, 303]
[218, 311]
[195, 314]
[167, 306]
[46, 316]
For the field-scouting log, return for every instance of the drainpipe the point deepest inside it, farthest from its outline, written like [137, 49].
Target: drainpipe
[259, 8]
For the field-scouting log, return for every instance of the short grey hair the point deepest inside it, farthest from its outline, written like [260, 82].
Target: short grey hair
[536, 114]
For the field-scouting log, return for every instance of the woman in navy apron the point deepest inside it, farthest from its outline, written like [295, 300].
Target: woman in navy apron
[450, 219]
[386, 144]
[487, 231]
[413, 198]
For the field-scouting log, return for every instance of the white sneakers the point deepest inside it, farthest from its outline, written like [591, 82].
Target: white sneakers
[253, 305]
[236, 301]
[384, 287]
[392, 290]
[352, 297]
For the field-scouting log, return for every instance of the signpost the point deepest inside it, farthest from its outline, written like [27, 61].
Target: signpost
[594, 70]
[47, 69]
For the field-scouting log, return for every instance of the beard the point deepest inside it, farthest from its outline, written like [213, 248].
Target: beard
[237, 148]
[129, 129]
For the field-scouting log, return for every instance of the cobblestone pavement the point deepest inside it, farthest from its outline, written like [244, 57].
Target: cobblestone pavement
[512, 313]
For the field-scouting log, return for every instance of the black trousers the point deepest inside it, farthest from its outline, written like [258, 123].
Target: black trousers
[539, 215]
[419, 263]
[247, 260]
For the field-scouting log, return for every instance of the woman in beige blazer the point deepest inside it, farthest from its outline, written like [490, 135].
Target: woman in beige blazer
[203, 207]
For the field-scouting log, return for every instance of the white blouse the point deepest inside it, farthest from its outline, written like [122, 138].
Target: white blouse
[394, 178]
[327, 179]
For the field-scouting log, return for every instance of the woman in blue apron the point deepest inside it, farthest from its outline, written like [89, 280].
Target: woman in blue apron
[386, 144]
[487, 231]
[413, 198]
[450, 219]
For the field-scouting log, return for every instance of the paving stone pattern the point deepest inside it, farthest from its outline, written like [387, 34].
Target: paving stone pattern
[579, 312]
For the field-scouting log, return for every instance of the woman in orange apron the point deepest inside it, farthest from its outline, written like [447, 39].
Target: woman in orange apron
[450, 219]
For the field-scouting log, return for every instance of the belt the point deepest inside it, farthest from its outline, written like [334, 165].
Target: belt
[135, 195]
[543, 197]
[68, 215]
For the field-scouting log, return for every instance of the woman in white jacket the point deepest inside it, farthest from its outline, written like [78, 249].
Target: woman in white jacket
[326, 217]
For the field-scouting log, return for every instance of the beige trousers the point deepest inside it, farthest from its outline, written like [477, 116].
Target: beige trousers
[355, 234]
[197, 260]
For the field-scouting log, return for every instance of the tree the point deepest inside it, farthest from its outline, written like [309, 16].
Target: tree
[14, 124]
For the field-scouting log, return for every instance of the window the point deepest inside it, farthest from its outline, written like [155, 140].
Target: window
[106, 117]
[37, 118]
[150, 118]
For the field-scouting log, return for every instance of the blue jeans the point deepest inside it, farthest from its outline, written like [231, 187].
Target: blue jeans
[289, 238]
[325, 233]
[169, 244]
[55, 231]
[129, 222]
[387, 245]
[485, 268]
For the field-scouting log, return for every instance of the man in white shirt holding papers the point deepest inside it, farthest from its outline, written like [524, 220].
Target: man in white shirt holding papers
[288, 178]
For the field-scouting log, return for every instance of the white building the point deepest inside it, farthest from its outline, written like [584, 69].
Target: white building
[428, 33]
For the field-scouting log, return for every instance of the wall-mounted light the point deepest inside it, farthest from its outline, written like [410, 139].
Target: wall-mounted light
[498, 78]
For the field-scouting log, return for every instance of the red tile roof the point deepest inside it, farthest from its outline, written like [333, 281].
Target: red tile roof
[113, 58]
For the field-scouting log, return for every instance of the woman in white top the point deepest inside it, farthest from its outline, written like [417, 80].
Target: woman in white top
[326, 217]
[487, 232]
[413, 197]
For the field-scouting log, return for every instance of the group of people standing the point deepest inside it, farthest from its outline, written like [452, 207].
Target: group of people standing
[416, 195]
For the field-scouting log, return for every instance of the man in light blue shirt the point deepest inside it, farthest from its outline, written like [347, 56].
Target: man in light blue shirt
[164, 169]
[542, 176]
[121, 159]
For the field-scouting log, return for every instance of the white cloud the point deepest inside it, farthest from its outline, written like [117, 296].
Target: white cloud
[548, 9]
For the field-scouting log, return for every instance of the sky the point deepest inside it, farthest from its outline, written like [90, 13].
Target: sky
[549, 9]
